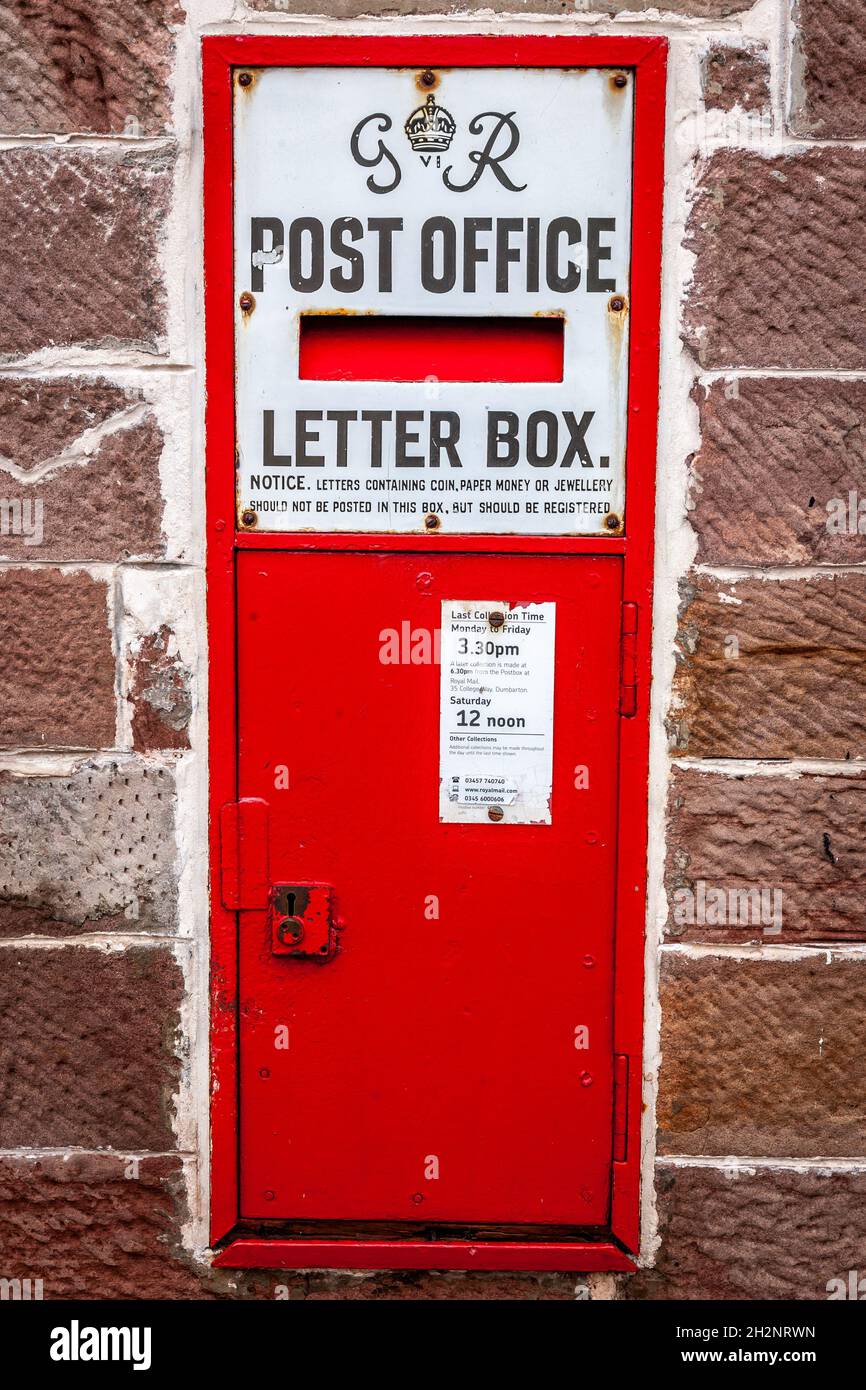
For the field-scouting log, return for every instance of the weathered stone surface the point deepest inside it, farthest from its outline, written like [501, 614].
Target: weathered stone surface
[762, 1057]
[780, 271]
[765, 1234]
[736, 76]
[799, 837]
[161, 694]
[828, 64]
[772, 669]
[87, 1046]
[92, 851]
[346, 9]
[43, 418]
[79, 248]
[57, 676]
[401, 1285]
[90, 67]
[93, 451]
[777, 460]
[95, 1226]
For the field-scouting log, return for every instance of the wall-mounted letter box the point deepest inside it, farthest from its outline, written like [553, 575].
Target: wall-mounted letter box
[432, 281]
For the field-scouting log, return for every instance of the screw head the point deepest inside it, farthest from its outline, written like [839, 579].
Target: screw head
[428, 78]
[496, 620]
[249, 517]
[620, 80]
[495, 813]
[616, 304]
[245, 79]
[269, 1196]
[611, 521]
[432, 522]
[247, 302]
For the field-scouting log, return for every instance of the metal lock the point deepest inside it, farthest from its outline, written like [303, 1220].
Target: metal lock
[301, 920]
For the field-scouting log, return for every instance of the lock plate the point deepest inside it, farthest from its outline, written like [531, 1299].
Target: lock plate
[301, 920]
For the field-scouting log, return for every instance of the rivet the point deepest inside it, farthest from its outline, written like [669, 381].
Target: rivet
[589, 962]
[585, 1078]
[417, 1198]
[495, 813]
[219, 526]
[249, 517]
[264, 1073]
[269, 1196]
[245, 79]
[432, 522]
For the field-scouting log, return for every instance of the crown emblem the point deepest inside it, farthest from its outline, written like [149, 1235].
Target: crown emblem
[431, 128]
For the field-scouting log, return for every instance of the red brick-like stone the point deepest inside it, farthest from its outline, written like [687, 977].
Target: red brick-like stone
[780, 270]
[828, 65]
[160, 691]
[80, 248]
[801, 837]
[57, 678]
[92, 851]
[771, 669]
[406, 1286]
[93, 451]
[776, 458]
[95, 1226]
[88, 67]
[44, 417]
[762, 1057]
[87, 1043]
[736, 76]
[766, 1234]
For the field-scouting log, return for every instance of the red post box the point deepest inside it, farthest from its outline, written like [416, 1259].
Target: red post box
[432, 297]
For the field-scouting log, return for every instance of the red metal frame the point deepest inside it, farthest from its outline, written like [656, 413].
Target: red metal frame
[647, 58]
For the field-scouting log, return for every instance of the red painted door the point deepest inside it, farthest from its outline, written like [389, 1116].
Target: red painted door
[453, 1061]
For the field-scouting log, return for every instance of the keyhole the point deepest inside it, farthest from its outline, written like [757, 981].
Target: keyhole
[290, 903]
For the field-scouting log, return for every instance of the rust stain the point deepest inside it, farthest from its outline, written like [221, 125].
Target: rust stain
[341, 310]
[246, 78]
[428, 79]
[617, 317]
[615, 94]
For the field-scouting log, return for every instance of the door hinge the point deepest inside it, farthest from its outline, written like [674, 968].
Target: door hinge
[244, 880]
[628, 662]
[620, 1107]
